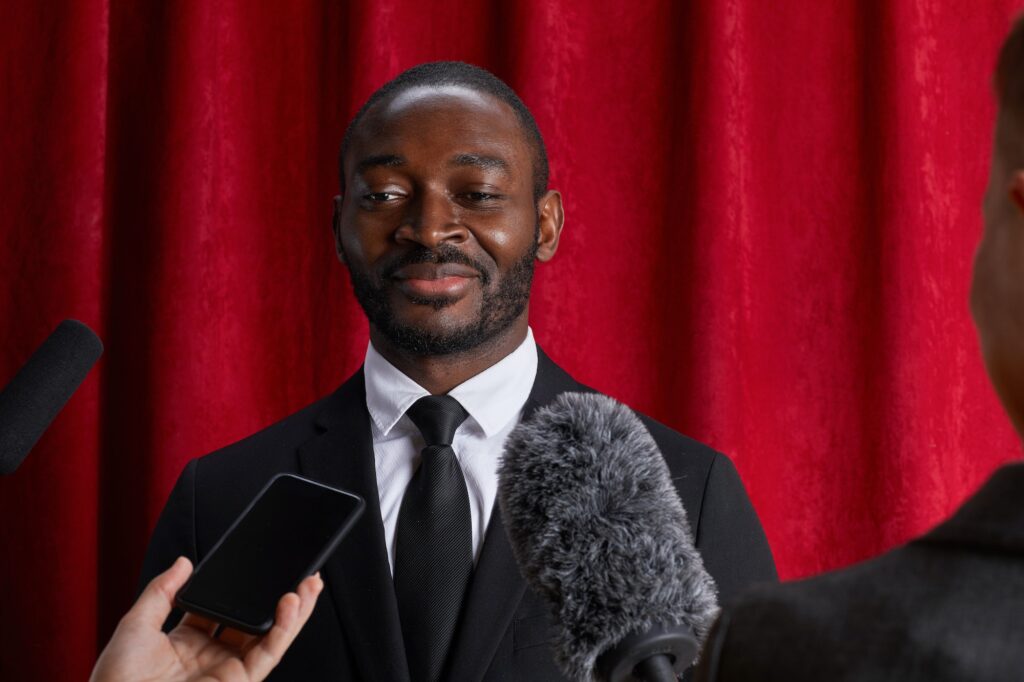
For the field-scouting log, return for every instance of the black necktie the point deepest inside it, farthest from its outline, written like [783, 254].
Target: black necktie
[433, 542]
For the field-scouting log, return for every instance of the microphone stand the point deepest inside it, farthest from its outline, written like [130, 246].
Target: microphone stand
[658, 655]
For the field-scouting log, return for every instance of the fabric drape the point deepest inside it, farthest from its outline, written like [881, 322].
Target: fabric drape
[772, 209]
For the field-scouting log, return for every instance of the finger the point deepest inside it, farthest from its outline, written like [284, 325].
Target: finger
[292, 613]
[308, 591]
[267, 652]
[154, 604]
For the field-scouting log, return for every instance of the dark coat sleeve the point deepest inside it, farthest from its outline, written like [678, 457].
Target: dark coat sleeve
[729, 535]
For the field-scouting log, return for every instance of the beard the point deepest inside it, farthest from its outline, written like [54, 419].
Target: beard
[499, 308]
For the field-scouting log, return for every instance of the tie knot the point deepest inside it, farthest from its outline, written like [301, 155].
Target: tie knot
[437, 417]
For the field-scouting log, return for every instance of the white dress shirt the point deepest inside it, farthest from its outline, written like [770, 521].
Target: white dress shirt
[494, 400]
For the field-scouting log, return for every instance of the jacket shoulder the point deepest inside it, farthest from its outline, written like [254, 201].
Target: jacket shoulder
[227, 479]
[725, 525]
[273, 446]
[882, 619]
[684, 455]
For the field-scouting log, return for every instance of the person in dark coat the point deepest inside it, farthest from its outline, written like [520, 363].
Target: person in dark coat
[948, 605]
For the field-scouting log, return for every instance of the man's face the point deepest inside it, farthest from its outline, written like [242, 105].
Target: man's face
[439, 226]
[997, 292]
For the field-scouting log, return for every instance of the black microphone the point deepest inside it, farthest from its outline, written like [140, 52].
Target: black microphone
[599, 531]
[41, 388]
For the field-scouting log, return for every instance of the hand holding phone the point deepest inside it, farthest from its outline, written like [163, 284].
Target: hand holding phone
[284, 535]
[190, 651]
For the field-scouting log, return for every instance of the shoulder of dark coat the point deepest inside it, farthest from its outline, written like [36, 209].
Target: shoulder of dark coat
[689, 461]
[676, 447]
[273, 447]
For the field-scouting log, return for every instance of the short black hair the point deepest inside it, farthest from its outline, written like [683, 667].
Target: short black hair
[437, 74]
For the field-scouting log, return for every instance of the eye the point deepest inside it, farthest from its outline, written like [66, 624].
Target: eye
[381, 200]
[380, 197]
[480, 197]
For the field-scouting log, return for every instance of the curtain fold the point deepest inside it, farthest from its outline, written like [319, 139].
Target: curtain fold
[771, 214]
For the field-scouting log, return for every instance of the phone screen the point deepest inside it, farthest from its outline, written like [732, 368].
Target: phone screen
[286, 534]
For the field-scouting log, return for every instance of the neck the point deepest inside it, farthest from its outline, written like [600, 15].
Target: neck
[439, 374]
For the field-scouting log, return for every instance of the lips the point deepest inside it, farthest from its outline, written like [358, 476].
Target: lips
[433, 271]
[432, 280]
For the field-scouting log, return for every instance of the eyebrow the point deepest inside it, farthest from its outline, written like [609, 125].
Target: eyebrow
[379, 160]
[480, 161]
[395, 160]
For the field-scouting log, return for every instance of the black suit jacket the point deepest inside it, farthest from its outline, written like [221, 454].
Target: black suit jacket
[947, 606]
[354, 632]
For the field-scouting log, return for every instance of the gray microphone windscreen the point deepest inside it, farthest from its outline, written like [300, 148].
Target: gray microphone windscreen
[598, 528]
[41, 388]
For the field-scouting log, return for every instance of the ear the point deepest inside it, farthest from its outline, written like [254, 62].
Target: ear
[551, 218]
[336, 228]
[1017, 190]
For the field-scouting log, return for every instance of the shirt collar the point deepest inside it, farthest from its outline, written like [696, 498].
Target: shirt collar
[492, 398]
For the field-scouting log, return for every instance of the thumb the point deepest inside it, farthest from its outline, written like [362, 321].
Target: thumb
[155, 602]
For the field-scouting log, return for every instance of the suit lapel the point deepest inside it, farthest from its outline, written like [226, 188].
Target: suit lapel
[497, 585]
[357, 576]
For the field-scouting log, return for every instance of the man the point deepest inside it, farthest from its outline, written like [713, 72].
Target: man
[949, 605]
[444, 210]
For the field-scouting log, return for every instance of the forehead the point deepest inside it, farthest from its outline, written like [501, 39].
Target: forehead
[441, 122]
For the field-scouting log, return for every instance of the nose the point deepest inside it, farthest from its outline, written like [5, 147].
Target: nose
[430, 219]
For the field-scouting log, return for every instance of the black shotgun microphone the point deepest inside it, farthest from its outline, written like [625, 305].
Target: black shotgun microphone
[598, 530]
[41, 388]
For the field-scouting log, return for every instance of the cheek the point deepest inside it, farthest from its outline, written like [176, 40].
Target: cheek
[997, 295]
[352, 249]
[1006, 369]
[980, 285]
[364, 242]
[506, 239]
[501, 239]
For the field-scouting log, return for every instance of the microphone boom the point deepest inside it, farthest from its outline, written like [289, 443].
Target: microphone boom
[41, 388]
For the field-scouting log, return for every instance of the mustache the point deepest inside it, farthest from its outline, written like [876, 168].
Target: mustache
[444, 253]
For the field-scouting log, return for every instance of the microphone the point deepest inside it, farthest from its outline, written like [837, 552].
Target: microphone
[41, 388]
[598, 530]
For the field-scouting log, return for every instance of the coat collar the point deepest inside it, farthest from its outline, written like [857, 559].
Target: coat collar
[358, 577]
[993, 518]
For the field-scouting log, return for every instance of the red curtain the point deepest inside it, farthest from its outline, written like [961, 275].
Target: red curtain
[772, 209]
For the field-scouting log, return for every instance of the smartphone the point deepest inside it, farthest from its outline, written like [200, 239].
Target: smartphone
[284, 535]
